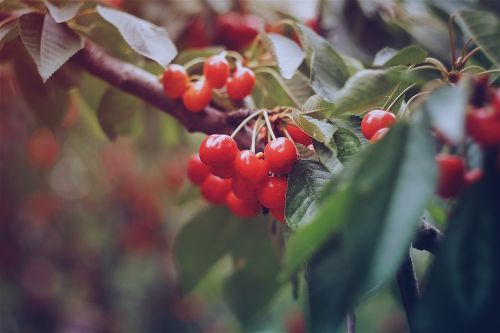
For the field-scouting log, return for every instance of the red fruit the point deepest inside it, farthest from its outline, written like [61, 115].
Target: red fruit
[196, 34]
[215, 189]
[216, 71]
[224, 172]
[473, 176]
[495, 103]
[197, 171]
[278, 214]
[251, 168]
[379, 135]
[280, 155]
[451, 175]
[218, 150]
[241, 84]
[198, 96]
[243, 189]
[240, 208]
[175, 81]
[375, 120]
[484, 127]
[43, 148]
[237, 31]
[313, 23]
[272, 194]
[298, 135]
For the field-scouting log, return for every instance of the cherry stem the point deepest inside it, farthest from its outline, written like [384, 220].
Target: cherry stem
[244, 122]
[407, 108]
[285, 131]
[468, 56]
[269, 127]
[193, 62]
[254, 133]
[451, 33]
[235, 55]
[398, 97]
[464, 49]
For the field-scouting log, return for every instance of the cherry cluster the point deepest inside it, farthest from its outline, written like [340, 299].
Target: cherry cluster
[376, 124]
[196, 95]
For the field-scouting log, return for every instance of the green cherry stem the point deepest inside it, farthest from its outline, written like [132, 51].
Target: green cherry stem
[269, 127]
[244, 122]
[398, 97]
[194, 62]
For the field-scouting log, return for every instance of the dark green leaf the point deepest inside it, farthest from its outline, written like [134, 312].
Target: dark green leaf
[347, 144]
[287, 54]
[299, 87]
[320, 130]
[327, 155]
[145, 38]
[62, 10]
[317, 107]
[410, 55]
[271, 90]
[383, 55]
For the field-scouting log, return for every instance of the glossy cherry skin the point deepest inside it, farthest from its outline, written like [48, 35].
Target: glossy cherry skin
[379, 135]
[218, 150]
[224, 172]
[241, 83]
[278, 214]
[484, 127]
[272, 193]
[251, 168]
[451, 175]
[197, 96]
[298, 135]
[216, 71]
[175, 81]
[215, 189]
[375, 120]
[197, 171]
[280, 155]
[244, 190]
[240, 208]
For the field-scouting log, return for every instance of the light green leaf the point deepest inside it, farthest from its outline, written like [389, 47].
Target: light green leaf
[347, 143]
[317, 107]
[285, 52]
[410, 55]
[320, 130]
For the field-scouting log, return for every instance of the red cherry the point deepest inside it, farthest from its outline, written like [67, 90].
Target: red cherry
[241, 84]
[43, 148]
[473, 176]
[278, 214]
[298, 135]
[236, 31]
[495, 103]
[197, 171]
[224, 172]
[451, 175]
[243, 189]
[313, 23]
[250, 167]
[240, 208]
[218, 150]
[175, 81]
[484, 127]
[272, 194]
[375, 120]
[379, 135]
[280, 155]
[215, 189]
[216, 71]
[198, 96]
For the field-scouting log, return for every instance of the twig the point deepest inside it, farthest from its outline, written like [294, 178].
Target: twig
[408, 287]
[350, 322]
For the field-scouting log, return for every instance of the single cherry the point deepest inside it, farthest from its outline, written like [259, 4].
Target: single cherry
[218, 150]
[473, 176]
[216, 71]
[215, 189]
[240, 208]
[197, 96]
[483, 126]
[241, 84]
[379, 135]
[375, 120]
[197, 171]
[298, 135]
[244, 190]
[280, 155]
[175, 81]
[272, 194]
[224, 172]
[451, 175]
[250, 167]
[278, 214]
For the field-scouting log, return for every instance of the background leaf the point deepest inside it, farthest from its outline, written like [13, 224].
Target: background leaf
[62, 11]
[317, 107]
[320, 130]
[6, 29]
[347, 143]
[410, 55]
[285, 52]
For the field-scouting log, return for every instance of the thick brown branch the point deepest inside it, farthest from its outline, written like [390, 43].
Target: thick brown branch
[147, 87]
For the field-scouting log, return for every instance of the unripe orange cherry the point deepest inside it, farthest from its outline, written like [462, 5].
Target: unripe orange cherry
[197, 96]
[175, 81]
[241, 84]
[216, 71]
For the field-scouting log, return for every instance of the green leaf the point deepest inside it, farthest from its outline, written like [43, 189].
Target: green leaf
[365, 222]
[271, 90]
[463, 291]
[317, 107]
[299, 87]
[484, 29]
[185, 56]
[410, 55]
[62, 10]
[363, 91]
[320, 130]
[50, 44]
[145, 38]
[304, 184]
[285, 52]
[327, 155]
[383, 55]
[6, 29]
[353, 64]
[116, 112]
[347, 143]
[328, 72]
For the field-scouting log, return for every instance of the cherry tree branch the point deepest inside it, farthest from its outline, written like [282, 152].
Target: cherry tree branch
[146, 86]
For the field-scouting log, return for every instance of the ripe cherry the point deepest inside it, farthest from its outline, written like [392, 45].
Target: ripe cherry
[175, 81]
[218, 150]
[379, 135]
[197, 171]
[244, 190]
[198, 96]
[375, 120]
[451, 175]
[224, 172]
[298, 135]
[278, 214]
[280, 155]
[473, 176]
[495, 103]
[484, 127]
[251, 168]
[216, 71]
[241, 84]
[43, 148]
[215, 189]
[236, 31]
[272, 194]
[240, 208]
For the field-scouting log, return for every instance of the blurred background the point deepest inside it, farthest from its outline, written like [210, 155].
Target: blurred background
[88, 224]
